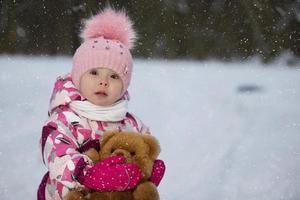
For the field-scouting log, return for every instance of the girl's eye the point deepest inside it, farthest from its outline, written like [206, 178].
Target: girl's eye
[114, 76]
[93, 72]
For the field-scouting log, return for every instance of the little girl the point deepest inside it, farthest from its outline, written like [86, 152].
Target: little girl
[87, 102]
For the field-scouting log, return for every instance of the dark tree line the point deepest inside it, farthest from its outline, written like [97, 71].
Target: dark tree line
[196, 29]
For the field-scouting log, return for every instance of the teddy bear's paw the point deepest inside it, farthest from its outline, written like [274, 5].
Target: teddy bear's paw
[74, 195]
[126, 195]
[99, 195]
[111, 196]
[146, 191]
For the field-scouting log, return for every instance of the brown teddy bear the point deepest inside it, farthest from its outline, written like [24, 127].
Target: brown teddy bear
[141, 149]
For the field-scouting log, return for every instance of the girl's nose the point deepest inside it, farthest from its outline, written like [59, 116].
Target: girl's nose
[103, 83]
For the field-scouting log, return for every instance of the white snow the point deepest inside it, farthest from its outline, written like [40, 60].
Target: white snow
[218, 142]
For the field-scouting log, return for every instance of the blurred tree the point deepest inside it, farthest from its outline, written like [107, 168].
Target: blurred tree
[196, 29]
[8, 26]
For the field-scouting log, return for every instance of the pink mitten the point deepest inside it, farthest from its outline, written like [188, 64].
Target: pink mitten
[111, 175]
[158, 172]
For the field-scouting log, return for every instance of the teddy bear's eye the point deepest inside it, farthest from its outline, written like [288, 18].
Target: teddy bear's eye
[132, 153]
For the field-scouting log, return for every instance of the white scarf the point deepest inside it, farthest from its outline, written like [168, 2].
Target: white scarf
[113, 113]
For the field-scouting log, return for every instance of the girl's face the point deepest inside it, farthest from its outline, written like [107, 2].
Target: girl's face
[101, 86]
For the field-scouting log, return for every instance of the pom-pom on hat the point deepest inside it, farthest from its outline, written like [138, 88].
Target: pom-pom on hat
[108, 38]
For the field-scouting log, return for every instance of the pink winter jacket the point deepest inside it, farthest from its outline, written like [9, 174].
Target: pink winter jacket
[66, 135]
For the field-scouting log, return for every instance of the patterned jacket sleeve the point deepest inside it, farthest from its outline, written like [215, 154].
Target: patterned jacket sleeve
[144, 128]
[61, 155]
[140, 126]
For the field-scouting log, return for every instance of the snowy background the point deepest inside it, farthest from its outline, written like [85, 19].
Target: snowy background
[227, 130]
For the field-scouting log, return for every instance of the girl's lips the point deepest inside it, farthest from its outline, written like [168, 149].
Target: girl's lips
[101, 93]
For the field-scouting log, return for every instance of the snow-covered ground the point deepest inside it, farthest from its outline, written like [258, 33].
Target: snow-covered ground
[227, 130]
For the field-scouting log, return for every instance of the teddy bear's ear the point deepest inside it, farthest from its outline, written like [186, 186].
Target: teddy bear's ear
[105, 137]
[153, 144]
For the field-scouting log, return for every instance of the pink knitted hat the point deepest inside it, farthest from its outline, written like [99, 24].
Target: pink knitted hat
[108, 38]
